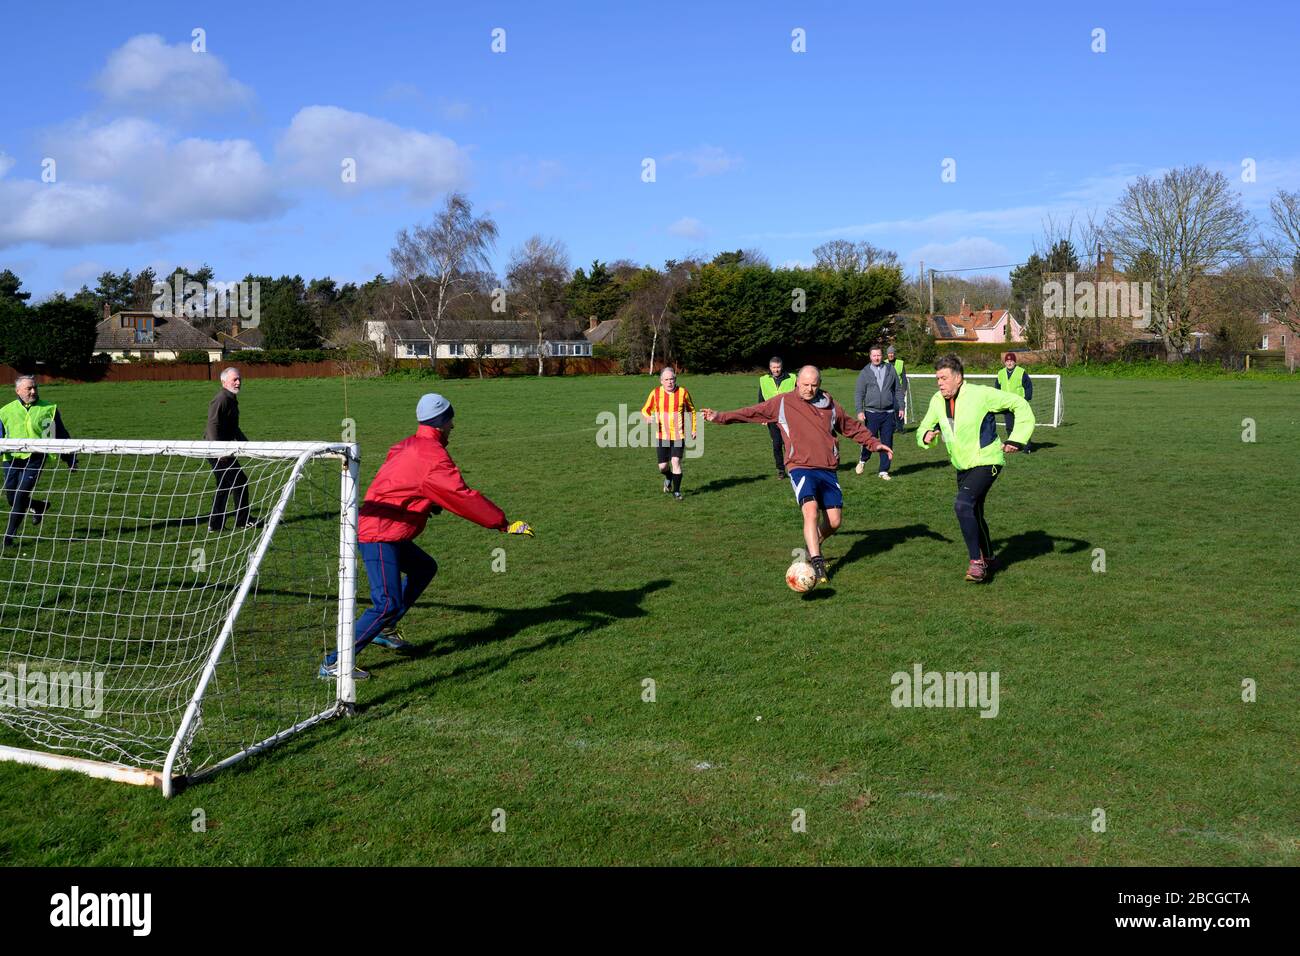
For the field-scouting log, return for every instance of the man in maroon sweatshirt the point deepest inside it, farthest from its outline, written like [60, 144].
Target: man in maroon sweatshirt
[418, 478]
[809, 421]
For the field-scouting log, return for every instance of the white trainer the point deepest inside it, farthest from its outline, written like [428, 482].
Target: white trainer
[860, 468]
[885, 475]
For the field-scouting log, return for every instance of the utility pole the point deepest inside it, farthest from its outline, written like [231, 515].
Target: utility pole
[931, 292]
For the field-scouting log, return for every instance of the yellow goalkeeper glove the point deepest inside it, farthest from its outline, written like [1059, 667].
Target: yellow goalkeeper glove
[520, 527]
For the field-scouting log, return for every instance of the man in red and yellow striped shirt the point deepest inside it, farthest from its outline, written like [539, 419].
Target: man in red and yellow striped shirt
[667, 406]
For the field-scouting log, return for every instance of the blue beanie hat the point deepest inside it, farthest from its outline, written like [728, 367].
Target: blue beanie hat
[433, 408]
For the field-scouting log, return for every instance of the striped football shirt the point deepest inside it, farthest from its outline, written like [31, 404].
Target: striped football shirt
[668, 409]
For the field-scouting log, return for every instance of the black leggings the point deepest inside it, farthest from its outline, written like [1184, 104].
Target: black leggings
[778, 447]
[231, 480]
[973, 486]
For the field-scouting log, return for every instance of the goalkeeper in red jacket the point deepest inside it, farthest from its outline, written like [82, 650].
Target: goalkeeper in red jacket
[417, 479]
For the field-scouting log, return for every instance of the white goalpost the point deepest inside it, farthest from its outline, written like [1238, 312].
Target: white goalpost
[1047, 402]
[165, 606]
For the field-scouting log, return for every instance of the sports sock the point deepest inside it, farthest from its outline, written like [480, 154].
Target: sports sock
[677, 482]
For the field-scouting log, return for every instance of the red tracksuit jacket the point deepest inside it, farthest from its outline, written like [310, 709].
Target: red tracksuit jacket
[418, 474]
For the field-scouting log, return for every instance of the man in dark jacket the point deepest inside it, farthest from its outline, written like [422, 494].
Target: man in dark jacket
[879, 401]
[223, 425]
[417, 479]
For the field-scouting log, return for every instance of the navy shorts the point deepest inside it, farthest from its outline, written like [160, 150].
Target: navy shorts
[817, 484]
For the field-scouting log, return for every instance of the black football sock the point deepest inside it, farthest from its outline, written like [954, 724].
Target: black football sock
[677, 482]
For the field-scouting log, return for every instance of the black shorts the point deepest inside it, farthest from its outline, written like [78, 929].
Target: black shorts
[668, 449]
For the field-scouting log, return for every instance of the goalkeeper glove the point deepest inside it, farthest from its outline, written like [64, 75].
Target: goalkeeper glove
[519, 527]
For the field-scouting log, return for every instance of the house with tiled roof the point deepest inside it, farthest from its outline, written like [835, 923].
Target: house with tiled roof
[234, 336]
[602, 333]
[147, 336]
[985, 325]
[470, 338]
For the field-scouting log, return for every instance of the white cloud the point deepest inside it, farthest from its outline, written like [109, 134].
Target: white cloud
[707, 160]
[145, 72]
[320, 137]
[6, 163]
[688, 228]
[129, 180]
[969, 252]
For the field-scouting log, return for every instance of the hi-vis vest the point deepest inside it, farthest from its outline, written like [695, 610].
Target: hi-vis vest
[898, 368]
[22, 422]
[1013, 383]
[767, 385]
[972, 438]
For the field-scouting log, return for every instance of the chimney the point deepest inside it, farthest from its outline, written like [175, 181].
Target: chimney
[1108, 260]
[108, 312]
[234, 327]
[593, 323]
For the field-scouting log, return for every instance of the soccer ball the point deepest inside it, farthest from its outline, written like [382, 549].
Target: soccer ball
[801, 577]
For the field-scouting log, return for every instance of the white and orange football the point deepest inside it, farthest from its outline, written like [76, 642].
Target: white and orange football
[801, 577]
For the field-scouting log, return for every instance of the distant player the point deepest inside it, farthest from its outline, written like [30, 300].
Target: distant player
[418, 478]
[1013, 378]
[878, 399]
[809, 420]
[27, 416]
[900, 369]
[223, 425]
[777, 381]
[963, 414]
[667, 407]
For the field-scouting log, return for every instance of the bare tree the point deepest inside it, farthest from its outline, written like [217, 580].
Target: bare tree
[436, 264]
[1282, 248]
[1191, 223]
[844, 256]
[536, 275]
[651, 302]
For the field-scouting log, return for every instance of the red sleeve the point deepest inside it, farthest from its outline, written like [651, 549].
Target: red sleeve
[764, 413]
[444, 486]
[852, 428]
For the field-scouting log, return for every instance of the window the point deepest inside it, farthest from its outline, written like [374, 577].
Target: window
[1265, 345]
[561, 348]
[417, 349]
[455, 348]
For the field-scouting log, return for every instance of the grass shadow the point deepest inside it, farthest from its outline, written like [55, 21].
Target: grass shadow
[882, 540]
[1029, 545]
[721, 484]
[585, 611]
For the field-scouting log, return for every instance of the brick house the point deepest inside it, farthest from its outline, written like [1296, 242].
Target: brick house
[986, 325]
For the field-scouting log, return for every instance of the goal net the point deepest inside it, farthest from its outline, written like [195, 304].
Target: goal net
[165, 606]
[1046, 401]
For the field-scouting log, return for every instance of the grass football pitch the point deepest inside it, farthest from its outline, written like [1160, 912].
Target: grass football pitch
[1121, 734]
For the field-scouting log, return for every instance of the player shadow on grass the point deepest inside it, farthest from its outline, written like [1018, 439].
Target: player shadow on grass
[1029, 545]
[880, 540]
[720, 484]
[586, 611]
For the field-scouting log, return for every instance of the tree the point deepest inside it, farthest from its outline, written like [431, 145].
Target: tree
[115, 290]
[840, 255]
[650, 304]
[597, 294]
[1027, 296]
[1192, 223]
[287, 323]
[435, 265]
[535, 275]
[9, 286]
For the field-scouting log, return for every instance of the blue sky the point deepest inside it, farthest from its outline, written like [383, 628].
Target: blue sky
[232, 156]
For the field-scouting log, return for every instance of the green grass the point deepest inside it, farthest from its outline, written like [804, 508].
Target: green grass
[1119, 690]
